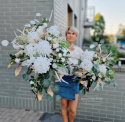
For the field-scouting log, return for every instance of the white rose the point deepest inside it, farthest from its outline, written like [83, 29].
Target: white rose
[38, 14]
[63, 59]
[31, 82]
[60, 55]
[32, 22]
[28, 25]
[55, 46]
[92, 46]
[45, 24]
[4, 42]
[49, 38]
[54, 66]
[17, 60]
[57, 50]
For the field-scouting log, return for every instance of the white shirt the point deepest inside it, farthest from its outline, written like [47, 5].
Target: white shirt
[74, 56]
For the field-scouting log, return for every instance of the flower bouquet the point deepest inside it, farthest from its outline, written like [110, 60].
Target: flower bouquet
[94, 69]
[42, 50]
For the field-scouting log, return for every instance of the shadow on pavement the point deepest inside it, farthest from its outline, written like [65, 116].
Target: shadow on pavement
[47, 117]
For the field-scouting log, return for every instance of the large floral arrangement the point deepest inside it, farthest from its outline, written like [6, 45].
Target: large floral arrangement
[42, 50]
[94, 69]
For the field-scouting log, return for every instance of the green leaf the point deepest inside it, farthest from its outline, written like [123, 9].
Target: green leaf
[46, 83]
[43, 91]
[67, 70]
[27, 78]
[49, 97]
[25, 55]
[105, 51]
[113, 62]
[37, 55]
[95, 43]
[116, 59]
[115, 84]
[46, 75]
[97, 38]
[24, 76]
[102, 41]
[56, 88]
[58, 97]
[53, 78]
[103, 46]
[61, 65]
[84, 91]
[113, 47]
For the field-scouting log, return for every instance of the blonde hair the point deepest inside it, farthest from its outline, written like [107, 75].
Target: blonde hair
[72, 28]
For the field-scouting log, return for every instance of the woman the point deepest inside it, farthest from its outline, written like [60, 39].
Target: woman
[70, 92]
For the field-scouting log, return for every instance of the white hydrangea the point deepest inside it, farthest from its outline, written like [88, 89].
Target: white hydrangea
[86, 65]
[30, 49]
[41, 65]
[72, 61]
[63, 59]
[88, 55]
[43, 48]
[28, 62]
[60, 55]
[31, 36]
[102, 68]
[53, 30]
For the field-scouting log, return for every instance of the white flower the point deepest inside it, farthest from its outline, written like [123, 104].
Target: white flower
[45, 25]
[88, 55]
[73, 61]
[4, 42]
[64, 54]
[17, 60]
[86, 65]
[54, 60]
[31, 36]
[30, 61]
[54, 65]
[63, 59]
[49, 38]
[104, 59]
[15, 46]
[53, 30]
[40, 30]
[92, 46]
[32, 22]
[102, 68]
[57, 50]
[36, 20]
[31, 82]
[38, 14]
[41, 65]
[30, 49]
[100, 75]
[50, 59]
[93, 77]
[55, 45]
[65, 50]
[60, 55]
[28, 25]
[44, 48]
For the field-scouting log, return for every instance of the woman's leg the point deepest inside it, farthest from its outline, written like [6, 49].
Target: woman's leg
[64, 109]
[73, 108]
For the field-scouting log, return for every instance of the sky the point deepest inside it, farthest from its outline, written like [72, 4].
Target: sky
[113, 12]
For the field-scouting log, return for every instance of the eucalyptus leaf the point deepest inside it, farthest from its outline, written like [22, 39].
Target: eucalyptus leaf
[58, 97]
[46, 83]
[56, 88]
[49, 97]
[84, 91]
[53, 78]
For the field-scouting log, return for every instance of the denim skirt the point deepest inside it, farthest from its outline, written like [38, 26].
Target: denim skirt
[68, 91]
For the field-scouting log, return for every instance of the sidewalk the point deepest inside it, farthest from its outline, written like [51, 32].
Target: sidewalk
[14, 115]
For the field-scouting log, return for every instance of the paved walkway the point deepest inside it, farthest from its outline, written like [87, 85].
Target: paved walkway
[14, 115]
